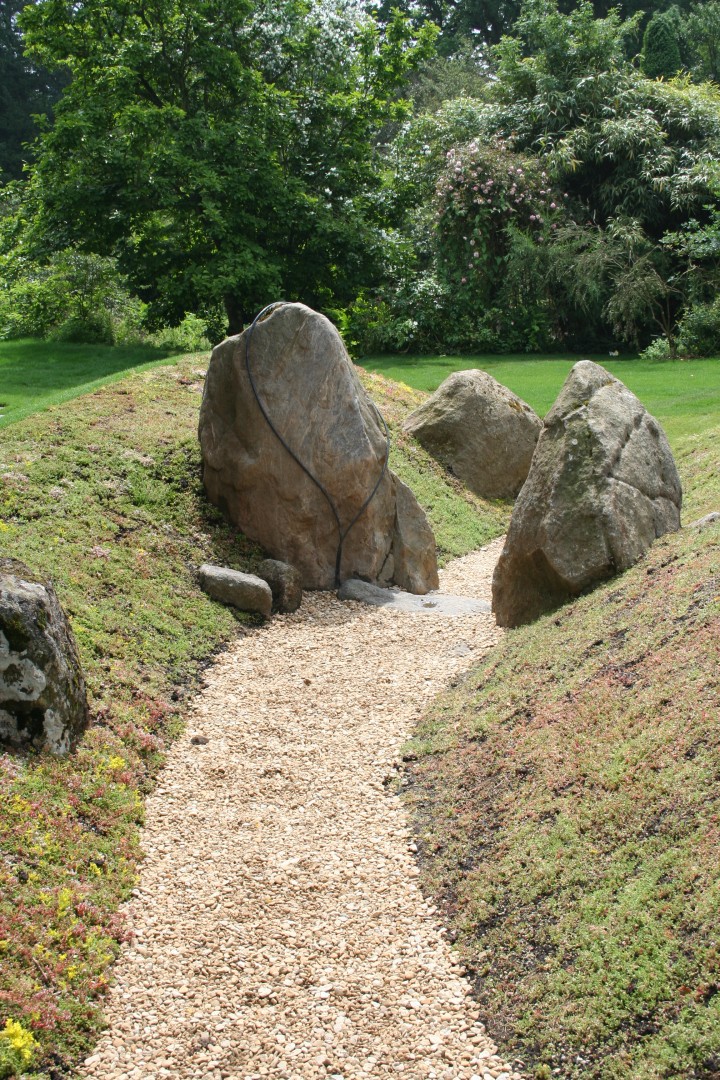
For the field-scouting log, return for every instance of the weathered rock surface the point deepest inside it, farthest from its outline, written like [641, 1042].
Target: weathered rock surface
[285, 584]
[602, 487]
[244, 591]
[310, 390]
[436, 603]
[42, 689]
[480, 431]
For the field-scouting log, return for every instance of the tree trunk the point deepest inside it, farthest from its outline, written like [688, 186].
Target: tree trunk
[235, 316]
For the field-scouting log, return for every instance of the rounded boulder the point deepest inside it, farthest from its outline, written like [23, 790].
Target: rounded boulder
[480, 431]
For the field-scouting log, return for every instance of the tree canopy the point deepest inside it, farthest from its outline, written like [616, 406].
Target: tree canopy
[221, 149]
[661, 49]
[220, 154]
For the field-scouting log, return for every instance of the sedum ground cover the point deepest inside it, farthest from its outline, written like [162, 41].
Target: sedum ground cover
[566, 798]
[103, 493]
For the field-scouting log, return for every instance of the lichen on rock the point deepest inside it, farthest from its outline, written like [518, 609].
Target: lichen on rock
[602, 487]
[42, 690]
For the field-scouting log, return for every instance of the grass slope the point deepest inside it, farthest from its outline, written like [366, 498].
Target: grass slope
[566, 796]
[37, 374]
[104, 495]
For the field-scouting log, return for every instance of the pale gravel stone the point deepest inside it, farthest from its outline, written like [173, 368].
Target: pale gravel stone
[279, 929]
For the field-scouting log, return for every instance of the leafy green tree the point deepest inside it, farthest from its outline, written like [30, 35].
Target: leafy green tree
[464, 74]
[618, 273]
[485, 22]
[635, 156]
[25, 89]
[631, 162]
[702, 31]
[621, 145]
[660, 52]
[221, 150]
[460, 20]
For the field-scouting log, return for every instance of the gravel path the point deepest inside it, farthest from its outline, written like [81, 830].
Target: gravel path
[279, 928]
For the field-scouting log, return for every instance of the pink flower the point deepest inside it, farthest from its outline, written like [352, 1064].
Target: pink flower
[553, 206]
[463, 281]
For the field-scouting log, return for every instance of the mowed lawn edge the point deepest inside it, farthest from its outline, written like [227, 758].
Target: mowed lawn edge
[683, 394]
[36, 375]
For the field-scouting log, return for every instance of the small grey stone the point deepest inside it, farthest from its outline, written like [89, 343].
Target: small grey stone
[709, 519]
[285, 583]
[244, 591]
[429, 604]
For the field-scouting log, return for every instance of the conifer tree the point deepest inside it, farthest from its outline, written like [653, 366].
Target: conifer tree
[660, 52]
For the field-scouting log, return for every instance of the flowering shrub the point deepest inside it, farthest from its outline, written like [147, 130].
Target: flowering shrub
[484, 191]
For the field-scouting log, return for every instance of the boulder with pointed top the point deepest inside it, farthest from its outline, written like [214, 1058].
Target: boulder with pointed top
[602, 487]
[308, 399]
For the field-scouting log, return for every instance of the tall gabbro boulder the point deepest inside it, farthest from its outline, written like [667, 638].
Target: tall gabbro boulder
[42, 689]
[479, 430]
[602, 487]
[312, 395]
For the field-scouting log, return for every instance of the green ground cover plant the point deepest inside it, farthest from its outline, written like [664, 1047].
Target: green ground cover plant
[566, 801]
[104, 495]
[683, 394]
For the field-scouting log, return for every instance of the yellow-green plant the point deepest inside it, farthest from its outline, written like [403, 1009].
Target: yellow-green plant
[17, 1048]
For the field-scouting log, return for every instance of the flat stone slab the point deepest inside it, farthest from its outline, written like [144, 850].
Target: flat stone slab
[432, 603]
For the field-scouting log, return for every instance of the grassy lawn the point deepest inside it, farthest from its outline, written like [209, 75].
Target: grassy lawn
[682, 394]
[37, 374]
